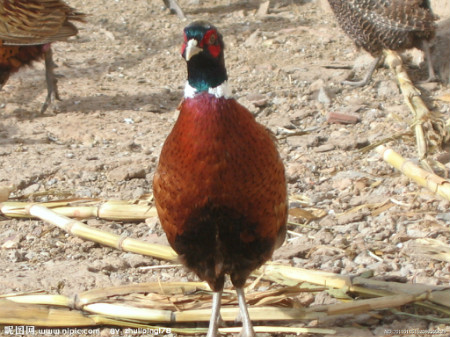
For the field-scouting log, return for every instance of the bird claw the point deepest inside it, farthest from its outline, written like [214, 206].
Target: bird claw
[356, 84]
[51, 101]
[432, 78]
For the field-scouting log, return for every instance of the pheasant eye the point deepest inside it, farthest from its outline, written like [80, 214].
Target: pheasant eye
[212, 39]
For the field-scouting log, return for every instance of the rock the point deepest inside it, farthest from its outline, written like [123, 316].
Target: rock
[263, 9]
[352, 217]
[443, 157]
[324, 148]
[32, 189]
[16, 256]
[131, 171]
[135, 260]
[294, 171]
[342, 118]
[324, 96]
[258, 100]
[253, 39]
[296, 248]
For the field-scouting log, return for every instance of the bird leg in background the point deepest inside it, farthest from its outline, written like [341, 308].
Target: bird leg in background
[215, 315]
[431, 75]
[366, 78]
[52, 87]
[173, 6]
[247, 327]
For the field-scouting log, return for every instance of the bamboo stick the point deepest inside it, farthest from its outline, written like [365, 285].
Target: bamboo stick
[128, 312]
[114, 210]
[38, 315]
[58, 300]
[428, 126]
[280, 330]
[97, 295]
[21, 314]
[426, 179]
[277, 272]
[79, 229]
[361, 306]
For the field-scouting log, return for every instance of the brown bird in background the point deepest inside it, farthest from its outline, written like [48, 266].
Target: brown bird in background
[27, 28]
[375, 25]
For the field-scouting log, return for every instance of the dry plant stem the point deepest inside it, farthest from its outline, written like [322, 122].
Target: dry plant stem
[422, 115]
[129, 312]
[97, 295]
[38, 315]
[115, 210]
[23, 314]
[368, 287]
[424, 178]
[57, 300]
[108, 239]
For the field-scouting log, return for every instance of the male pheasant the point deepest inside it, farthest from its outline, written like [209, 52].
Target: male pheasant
[220, 186]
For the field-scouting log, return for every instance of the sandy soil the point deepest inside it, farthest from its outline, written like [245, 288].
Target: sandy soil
[121, 80]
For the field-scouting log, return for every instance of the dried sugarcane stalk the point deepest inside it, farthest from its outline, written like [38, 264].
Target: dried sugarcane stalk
[5, 191]
[97, 295]
[429, 127]
[57, 300]
[426, 179]
[130, 311]
[278, 273]
[79, 229]
[83, 208]
[38, 315]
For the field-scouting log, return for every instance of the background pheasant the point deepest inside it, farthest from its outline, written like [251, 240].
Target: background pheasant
[375, 25]
[27, 28]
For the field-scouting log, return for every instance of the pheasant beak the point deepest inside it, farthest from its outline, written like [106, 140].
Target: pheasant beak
[191, 49]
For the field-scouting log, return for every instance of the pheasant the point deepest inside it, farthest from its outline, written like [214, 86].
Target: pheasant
[375, 25]
[27, 29]
[220, 186]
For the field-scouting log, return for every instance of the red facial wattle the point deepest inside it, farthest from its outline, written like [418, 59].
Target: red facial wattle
[211, 40]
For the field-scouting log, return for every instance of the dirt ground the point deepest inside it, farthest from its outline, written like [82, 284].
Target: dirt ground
[120, 82]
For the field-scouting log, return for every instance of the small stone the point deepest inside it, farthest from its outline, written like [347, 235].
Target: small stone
[443, 157]
[258, 100]
[123, 173]
[351, 217]
[324, 148]
[31, 189]
[263, 9]
[252, 40]
[135, 260]
[324, 96]
[16, 256]
[342, 118]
